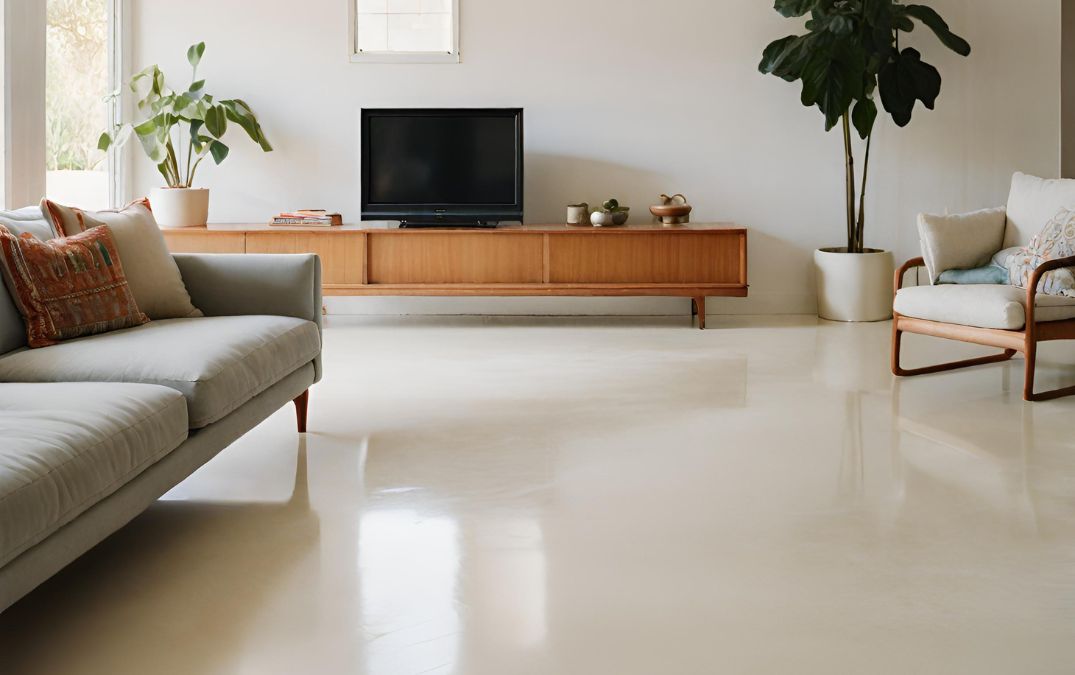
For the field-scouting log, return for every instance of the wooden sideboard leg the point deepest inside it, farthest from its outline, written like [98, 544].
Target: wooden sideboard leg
[699, 309]
[301, 405]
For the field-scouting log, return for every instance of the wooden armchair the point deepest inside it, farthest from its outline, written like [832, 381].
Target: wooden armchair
[1011, 341]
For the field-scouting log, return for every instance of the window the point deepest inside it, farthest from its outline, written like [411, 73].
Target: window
[405, 31]
[77, 80]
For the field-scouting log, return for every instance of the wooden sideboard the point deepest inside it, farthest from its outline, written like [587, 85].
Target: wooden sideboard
[690, 261]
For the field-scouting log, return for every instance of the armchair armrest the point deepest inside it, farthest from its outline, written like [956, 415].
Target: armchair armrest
[902, 271]
[1035, 280]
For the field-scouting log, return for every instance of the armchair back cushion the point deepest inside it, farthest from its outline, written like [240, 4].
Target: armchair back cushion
[960, 242]
[1032, 203]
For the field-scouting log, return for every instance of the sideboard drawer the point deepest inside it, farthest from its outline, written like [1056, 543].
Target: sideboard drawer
[455, 258]
[341, 256]
[648, 258]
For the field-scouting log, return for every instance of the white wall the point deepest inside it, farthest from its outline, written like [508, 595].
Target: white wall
[626, 99]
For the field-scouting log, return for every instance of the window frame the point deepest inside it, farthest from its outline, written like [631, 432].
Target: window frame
[356, 56]
[119, 70]
[23, 145]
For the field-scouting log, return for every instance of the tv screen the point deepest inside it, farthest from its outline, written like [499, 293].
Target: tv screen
[446, 164]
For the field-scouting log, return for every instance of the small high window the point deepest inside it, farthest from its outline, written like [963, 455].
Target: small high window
[405, 31]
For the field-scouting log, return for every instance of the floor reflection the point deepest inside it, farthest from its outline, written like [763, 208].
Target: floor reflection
[494, 497]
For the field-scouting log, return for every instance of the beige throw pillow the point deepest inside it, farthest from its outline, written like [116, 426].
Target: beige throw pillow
[153, 276]
[960, 242]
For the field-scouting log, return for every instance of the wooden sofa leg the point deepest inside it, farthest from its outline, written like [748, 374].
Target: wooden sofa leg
[301, 404]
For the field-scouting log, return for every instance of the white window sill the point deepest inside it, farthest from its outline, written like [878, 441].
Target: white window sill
[405, 57]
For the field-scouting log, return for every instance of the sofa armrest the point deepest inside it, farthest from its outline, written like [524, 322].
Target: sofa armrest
[248, 284]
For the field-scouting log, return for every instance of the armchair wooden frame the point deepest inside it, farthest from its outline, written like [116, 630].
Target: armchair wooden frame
[1011, 341]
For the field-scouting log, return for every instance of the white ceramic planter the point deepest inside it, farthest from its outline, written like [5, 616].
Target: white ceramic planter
[854, 286]
[180, 207]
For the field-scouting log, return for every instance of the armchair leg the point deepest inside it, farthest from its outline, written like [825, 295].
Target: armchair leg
[301, 404]
[1028, 382]
[897, 369]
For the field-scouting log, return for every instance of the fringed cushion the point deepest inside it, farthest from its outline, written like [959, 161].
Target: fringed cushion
[68, 288]
[1056, 240]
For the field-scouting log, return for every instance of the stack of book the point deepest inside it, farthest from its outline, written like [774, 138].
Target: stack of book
[308, 218]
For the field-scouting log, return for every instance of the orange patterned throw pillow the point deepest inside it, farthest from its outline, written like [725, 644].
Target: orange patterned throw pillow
[68, 288]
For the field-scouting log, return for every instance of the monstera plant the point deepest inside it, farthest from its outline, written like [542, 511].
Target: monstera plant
[177, 131]
[848, 57]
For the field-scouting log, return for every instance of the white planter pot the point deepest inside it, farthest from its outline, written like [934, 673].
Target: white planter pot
[854, 286]
[180, 207]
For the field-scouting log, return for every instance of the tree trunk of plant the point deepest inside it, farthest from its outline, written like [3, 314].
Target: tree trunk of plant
[853, 245]
[860, 239]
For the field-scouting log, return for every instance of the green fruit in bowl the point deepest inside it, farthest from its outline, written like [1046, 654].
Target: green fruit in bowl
[611, 205]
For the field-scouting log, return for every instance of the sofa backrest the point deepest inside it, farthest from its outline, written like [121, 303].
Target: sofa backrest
[12, 328]
[1032, 203]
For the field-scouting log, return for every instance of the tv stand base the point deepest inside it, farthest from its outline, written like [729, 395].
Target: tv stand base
[447, 225]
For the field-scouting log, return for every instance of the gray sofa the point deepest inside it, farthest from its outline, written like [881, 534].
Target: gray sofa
[94, 430]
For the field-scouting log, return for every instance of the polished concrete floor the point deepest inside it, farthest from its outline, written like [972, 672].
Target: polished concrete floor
[600, 496]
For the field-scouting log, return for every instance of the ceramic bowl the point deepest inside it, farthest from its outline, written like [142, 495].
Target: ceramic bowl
[601, 219]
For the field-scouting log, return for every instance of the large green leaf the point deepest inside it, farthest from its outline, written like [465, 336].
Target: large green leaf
[897, 99]
[240, 113]
[792, 8]
[939, 26]
[216, 121]
[194, 54]
[153, 148]
[827, 83]
[776, 58]
[924, 79]
[164, 170]
[218, 150]
[863, 117]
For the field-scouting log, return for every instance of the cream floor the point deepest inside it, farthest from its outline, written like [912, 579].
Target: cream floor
[592, 496]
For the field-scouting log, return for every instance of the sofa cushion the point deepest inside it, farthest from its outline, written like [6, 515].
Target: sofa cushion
[32, 221]
[68, 288]
[153, 275]
[29, 220]
[67, 446]
[982, 306]
[1032, 202]
[217, 363]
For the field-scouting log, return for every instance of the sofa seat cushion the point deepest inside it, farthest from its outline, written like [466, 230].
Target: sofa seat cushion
[67, 446]
[217, 363]
[981, 306]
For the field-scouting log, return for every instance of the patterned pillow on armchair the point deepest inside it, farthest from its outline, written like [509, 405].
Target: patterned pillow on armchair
[1056, 240]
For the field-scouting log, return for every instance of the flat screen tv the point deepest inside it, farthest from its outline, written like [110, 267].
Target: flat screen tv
[442, 167]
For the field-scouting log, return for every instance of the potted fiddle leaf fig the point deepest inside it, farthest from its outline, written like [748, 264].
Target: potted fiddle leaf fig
[177, 131]
[848, 57]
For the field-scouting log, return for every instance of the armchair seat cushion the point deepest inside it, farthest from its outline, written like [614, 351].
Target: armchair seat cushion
[981, 306]
[218, 363]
